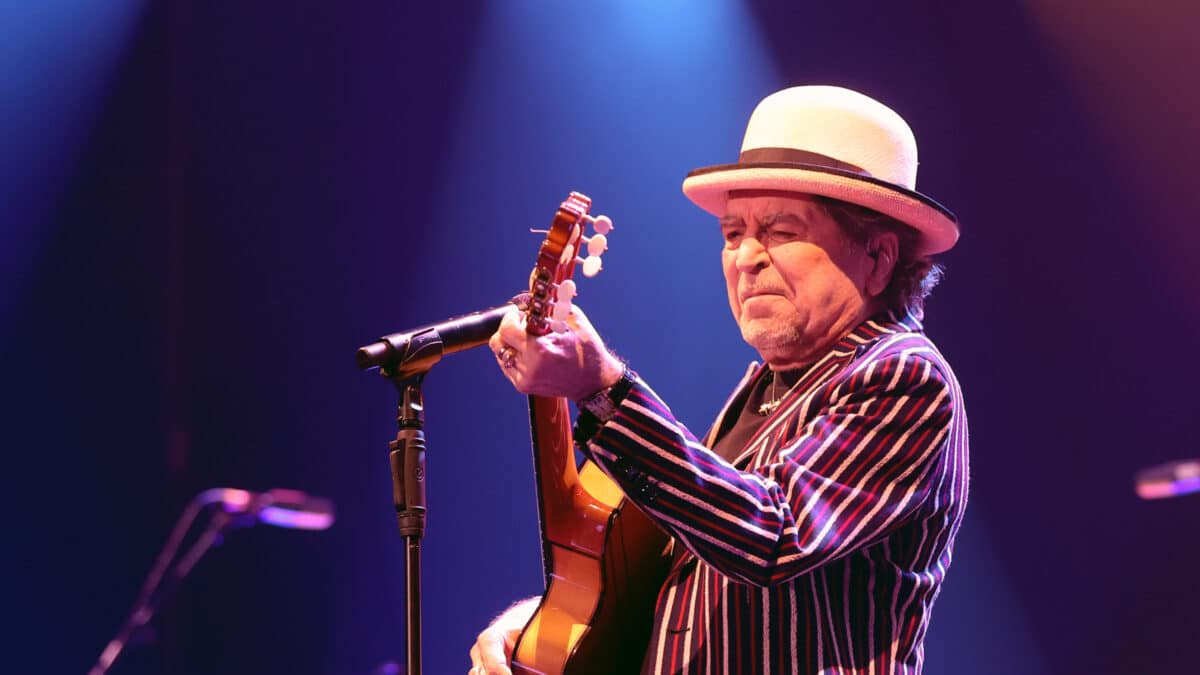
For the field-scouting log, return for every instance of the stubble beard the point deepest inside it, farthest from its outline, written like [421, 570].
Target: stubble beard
[770, 335]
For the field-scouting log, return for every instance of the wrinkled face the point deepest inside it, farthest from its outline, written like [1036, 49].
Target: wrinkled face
[796, 283]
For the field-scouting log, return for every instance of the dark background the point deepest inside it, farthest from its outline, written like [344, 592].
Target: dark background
[205, 207]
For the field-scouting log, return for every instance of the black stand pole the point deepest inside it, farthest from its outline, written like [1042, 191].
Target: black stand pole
[162, 583]
[404, 359]
[407, 455]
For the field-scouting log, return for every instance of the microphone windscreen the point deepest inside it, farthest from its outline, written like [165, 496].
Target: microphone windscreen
[1169, 480]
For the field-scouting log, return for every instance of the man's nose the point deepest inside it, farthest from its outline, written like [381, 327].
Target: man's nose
[751, 255]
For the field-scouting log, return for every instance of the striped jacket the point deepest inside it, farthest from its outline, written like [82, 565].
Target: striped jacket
[822, 547]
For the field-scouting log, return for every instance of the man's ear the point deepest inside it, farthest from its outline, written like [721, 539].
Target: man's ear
[884, 251]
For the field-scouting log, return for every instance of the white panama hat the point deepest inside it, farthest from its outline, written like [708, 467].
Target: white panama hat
[836, 143]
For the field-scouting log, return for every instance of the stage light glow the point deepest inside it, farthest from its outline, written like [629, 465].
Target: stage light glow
[616, 100]
[56, 59]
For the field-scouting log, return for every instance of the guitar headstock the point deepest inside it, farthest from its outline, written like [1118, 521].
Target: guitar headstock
[551, 286]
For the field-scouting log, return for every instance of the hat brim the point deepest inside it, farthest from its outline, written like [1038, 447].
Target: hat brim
[709, 189]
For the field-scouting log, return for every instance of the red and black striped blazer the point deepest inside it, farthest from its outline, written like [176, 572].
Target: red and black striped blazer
[822, 547]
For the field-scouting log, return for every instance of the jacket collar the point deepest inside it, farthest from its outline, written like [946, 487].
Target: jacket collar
[888, 322]
[843, 352]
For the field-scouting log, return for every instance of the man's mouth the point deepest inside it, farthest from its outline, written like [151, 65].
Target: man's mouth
[760, 292]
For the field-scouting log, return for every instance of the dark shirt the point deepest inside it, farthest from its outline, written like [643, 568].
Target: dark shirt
[744, 418]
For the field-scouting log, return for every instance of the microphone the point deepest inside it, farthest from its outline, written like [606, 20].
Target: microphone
[283, 508]
[1172, 479]
[416, 351]
[291, 509]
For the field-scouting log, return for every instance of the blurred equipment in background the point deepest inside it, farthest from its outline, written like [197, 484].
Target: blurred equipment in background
[1172, 479]
[289, 509]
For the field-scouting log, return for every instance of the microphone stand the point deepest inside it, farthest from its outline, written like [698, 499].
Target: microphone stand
[407, 456]
[404, 359]
[160, 584]
[406, 370]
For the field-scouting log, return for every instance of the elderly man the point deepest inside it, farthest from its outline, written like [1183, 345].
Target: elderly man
[814, 525]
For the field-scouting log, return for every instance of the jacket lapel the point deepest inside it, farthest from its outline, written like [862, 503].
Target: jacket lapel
[751, 371]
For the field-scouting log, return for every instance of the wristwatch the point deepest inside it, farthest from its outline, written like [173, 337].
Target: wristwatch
[603, 404]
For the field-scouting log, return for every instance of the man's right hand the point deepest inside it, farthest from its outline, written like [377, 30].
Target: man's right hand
[492, 651]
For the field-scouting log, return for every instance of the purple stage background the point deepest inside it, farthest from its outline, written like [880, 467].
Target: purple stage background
[207, 206]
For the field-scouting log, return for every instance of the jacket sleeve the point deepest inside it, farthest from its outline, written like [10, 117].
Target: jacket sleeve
[864, 464]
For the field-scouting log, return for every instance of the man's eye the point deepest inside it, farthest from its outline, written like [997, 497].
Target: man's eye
[733, 236]
[783, 234]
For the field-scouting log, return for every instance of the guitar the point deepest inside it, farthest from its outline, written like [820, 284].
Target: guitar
[604, 559]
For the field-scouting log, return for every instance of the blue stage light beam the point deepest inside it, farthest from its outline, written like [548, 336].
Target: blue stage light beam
[618, 100]
[56, 59]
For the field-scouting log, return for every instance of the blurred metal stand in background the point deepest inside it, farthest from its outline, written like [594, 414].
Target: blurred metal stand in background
[291, 509]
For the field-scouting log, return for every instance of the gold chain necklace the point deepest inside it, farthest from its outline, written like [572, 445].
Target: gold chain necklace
[769, 407]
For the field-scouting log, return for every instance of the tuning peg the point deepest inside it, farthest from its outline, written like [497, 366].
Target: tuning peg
[568, 254]
[562, 310]
[558, 317]
[597, 244]
[602, 224]
[591, 265]
[567, 291]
